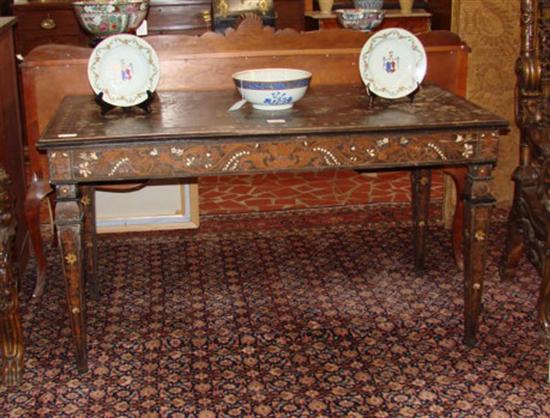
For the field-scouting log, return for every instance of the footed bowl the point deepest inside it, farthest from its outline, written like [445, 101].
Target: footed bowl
[110, 17]
[360, 19]
[272, 88]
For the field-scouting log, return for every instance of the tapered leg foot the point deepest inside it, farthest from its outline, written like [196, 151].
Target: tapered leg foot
[478, 204]
[69, 222]
[421, 182]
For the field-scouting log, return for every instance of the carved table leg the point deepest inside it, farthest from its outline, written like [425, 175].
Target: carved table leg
[11, 335]
[421, 182]
[478, 202]
[69, 223]
[90, 244]
[38, 190]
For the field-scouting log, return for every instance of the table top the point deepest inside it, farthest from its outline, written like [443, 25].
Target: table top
[204, 115]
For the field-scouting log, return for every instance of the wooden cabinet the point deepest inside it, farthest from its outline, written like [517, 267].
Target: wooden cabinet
[178, 16]
[441, 11]
[53, 21]
[11, 139]
[42, 23]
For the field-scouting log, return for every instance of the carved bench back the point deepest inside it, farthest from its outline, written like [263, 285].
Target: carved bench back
[51, 72]
[533, 66]
[544, 43]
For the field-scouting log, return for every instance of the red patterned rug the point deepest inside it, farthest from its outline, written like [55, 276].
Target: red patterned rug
[287, 314]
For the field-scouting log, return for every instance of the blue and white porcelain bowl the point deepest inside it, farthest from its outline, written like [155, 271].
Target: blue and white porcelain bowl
[368, 4]
[360, 19]
[272, 88]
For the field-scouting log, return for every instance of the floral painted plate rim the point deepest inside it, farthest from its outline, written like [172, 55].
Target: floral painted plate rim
[373, 77]
[132, 42]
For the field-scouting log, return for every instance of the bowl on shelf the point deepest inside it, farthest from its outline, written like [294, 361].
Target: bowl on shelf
[360, 19]
[368, 4]
[272, 88]
[110, 17]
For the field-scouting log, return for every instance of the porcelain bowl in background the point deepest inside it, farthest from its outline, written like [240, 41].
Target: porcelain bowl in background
[272, 88]
[110, 17]
[368, 4]
[360, 19]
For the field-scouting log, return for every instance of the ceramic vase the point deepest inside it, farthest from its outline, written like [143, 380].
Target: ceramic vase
[406, 6]
[325, 6]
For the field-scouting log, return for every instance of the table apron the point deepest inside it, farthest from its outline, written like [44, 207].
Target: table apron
[175, 158]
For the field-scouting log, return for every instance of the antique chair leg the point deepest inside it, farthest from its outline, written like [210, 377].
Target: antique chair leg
[458, 174]
[421, 181]
[69, 222]
[51, 197]
[38, 190]
[11, 334]
[515, 245]
[514, 248]
[477, 205]
[90, 243]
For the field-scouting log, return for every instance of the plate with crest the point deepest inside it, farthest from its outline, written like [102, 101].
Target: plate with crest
[124, 68]
[393, 63]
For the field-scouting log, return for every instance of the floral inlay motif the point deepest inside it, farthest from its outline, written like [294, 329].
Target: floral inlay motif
[185, 158]
[71, 258]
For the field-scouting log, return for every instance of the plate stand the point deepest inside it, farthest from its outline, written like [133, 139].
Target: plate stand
[372, 96]
[106, 107]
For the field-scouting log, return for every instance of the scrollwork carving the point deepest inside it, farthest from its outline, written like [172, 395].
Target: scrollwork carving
[289, 153]
[11, 338]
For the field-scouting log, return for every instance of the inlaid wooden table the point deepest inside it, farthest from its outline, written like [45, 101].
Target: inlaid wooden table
[190, 134]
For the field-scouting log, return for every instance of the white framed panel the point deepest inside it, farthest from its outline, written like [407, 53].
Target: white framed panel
[155, 207]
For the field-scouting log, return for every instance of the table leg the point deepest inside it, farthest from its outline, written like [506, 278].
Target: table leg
[421, 182]
[69, 222]
[458, 174]
[11, 334]
[478, 202]
[90, 244]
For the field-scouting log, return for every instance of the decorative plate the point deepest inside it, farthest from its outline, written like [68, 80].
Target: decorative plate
[392, 63]
[124, 67]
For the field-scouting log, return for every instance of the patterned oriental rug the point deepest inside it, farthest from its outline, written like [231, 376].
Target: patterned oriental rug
[287, 314]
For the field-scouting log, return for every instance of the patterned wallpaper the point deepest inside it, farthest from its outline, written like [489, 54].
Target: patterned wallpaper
[492, 29]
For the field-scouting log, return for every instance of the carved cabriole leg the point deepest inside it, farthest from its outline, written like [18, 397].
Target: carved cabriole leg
[37, 191]
[478, 202]
[90, 245]
[421, 182]
[11, 334]
[69, 223]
